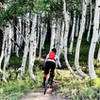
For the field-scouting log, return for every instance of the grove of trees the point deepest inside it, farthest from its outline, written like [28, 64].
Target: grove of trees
[26, 25]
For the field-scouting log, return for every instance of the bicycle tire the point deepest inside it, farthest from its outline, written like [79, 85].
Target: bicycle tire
[46, 86]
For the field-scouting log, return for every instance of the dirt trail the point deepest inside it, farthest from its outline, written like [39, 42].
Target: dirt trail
[40, 96]
[50, 95]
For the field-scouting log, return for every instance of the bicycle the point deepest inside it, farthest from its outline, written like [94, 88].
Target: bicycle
[48, 82]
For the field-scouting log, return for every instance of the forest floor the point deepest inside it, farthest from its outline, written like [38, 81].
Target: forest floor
[50, 95]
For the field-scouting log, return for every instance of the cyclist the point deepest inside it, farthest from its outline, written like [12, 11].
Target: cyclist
[50, 65]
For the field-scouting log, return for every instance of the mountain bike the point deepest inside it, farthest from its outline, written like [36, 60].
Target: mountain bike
[48, 82]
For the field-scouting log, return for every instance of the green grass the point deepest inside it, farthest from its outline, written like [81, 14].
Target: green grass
[13, 89]
[67, 85]
[78, 89]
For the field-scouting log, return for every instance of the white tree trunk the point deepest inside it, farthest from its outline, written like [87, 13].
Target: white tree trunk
[99, 37]
[88, 36]
[17, 49]
[44, 35]
[57, 35]
[67, 19]
[18, 37]
[7, 52]
[61, 45]
[13, 45]
[41, 39]
[94, 41]
[53, 31]
[3, 47]
[98, 57]
[72, 34]
[26, 48]
[77, 52]
[77, 27]
[38, 30]
[32, 52]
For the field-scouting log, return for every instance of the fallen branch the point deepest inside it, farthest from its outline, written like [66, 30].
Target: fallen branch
[17, 44]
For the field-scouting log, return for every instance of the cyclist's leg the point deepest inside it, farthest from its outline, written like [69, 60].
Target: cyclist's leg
[52, 73]
[46, 71]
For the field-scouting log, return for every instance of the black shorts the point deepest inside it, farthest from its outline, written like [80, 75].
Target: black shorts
[49, 66]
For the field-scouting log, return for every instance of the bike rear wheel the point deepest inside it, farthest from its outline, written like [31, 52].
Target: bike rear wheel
[46, 86]
[48, 83]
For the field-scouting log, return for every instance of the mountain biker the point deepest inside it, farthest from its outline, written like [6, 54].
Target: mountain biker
[50, 65]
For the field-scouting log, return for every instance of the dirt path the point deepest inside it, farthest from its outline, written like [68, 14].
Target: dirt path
[40, 96]
[50, 95]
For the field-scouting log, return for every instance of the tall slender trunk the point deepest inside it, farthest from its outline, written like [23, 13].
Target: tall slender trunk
[72, 34]
[13, 45]
[17, 49]
[38, 30]
[57, 36]
[88, 35]
[94, 41]
[77, 52]
[32, 52]
[67, 20]
[77, 27]
[61, 39]
[41, 39]
[53, 31]
[44, 35]
[18, 37]
[98, 57]
[26, 47]
[7, 52]
[3, 47]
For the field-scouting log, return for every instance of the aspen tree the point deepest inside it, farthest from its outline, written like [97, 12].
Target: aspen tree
[72, 34]
[7, 51]
[94, 40]
[44, 35]
[77, 27]
[98, 57]
[77, 52]
[32, 49]
[3, 48]
[88, 35]
[67, 20]
[41, 39]
[38, 30]
[26, 47]
[61, 38]
[18, 37]
[53, 31]
[58, 35]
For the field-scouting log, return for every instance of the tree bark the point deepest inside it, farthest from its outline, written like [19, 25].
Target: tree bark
[77, 28]
[94, 41]
[32, 52]
[26, 47]
[77, 52]
[88, 36]
[98, 57]
[41, 39]
[61, 45]
[53, 31]
[72, 34]
[67, 20]
[7, 52]
[3, 48]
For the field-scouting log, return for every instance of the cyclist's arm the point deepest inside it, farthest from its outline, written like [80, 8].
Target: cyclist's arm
[58, 61]
[46, 57]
